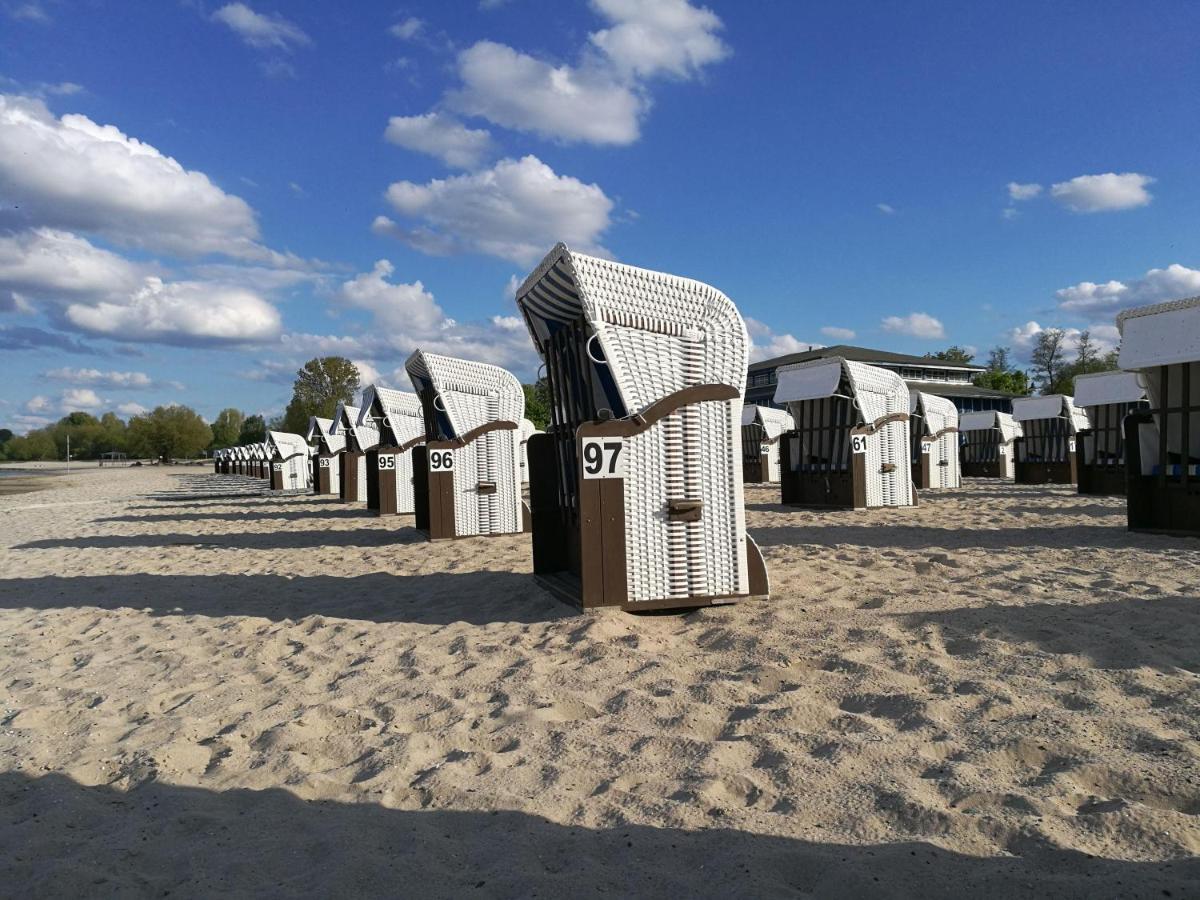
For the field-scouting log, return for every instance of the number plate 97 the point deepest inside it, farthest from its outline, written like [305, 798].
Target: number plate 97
[604, 458]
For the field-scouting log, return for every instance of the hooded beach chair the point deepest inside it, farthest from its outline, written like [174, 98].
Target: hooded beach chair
[527, 430]
[329, 447]
[762, 427]
[849, 448]
[467, 476]
[636, 488]
[398, 418]
[1045, 453]
[1162, 443]
[289, 461]
[1107, 398]
[987, 444]
[933, 441]
[359, 439]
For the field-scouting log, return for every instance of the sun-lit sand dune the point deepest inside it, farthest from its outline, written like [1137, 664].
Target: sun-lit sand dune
[999, 688]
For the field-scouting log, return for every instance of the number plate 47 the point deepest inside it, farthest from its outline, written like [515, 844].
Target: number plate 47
[604, 458]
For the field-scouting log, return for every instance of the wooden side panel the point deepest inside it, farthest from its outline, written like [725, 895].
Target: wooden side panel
[373, 480]
[548, 522]
[386, 489]
[612, 539]
[858, 469]
[276, 476]
[442, 523]
[420, 463]
[591, 547]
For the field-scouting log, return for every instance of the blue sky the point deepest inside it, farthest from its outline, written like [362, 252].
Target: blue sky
[196, 197]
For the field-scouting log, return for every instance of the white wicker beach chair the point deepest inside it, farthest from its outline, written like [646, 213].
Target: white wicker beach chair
[636, 489]
[359, 439]
[850, 446]
[933, 439]
[1045, 453]
[527, 430]
[288, 459]
[987, 444]
[762, 427]
[329, 447]
[1107, 398]
[467, 477]
[1162, 444]
[398, 418]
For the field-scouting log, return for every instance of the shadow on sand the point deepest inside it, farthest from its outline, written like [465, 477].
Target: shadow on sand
[896, 536]
[1163, 632]
[401, 532]
[438, 598]
[64, 839]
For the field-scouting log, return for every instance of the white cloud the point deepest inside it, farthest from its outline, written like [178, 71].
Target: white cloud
[1103, 193]
[38, 404]
[407, 29]
[649, 37]
[29, 12]
[1009, 213]
[74, 174]
[80, 399]
[261, 31]
[766, 344]
[441, 136]
[886, 208]
[46, 262]
[1017, 191]
[131, 409]
[394, 307]
[526, 94]
[516, 210]
[918, 324]
[181, 312]
[367, 373]
[838, 334]
[1089, 298]
[97, 378]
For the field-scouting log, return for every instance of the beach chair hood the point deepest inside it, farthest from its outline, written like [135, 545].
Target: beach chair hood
[395, 414]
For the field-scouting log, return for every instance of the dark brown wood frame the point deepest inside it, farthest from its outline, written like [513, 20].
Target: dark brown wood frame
[1051, 440]
[1164, 502]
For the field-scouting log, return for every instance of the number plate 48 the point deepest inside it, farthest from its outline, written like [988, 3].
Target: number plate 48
[604, 458]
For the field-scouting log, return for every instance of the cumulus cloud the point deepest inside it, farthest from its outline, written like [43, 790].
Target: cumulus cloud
[71, 173]
[1089, 298]
[765, 343]
[1103, 193]
[838, 334]
[516, 210]
[918, 324]
[80, 399]
[38, 404]
[49, 262]
[131, 409]
[441, 136]
[263, 32]
[569, 103]
[182, 313]
[651, 37]
[1017, 191]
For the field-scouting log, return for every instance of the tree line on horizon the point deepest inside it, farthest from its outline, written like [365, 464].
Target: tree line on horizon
[179, 432]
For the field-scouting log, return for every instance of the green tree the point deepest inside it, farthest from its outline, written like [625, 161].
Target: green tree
[84, 432]
[953, 354]
[1088, 360]
[321, 384]
[537, 403]
[254, 430]
[1001, 375]
[1049, 359]
[227, 427]
[37, 445]
[169, 432]
[112, 434]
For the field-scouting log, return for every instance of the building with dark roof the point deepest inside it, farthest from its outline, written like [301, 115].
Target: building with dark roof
[921, 373]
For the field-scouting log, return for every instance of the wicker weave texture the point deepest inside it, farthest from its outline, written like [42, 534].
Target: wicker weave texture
[658, 334]
[475, 394]
[937, 414]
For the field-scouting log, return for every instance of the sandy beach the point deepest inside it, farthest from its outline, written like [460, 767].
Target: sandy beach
[996, 693]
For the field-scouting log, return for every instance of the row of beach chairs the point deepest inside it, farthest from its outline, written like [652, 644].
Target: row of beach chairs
[635, 491]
